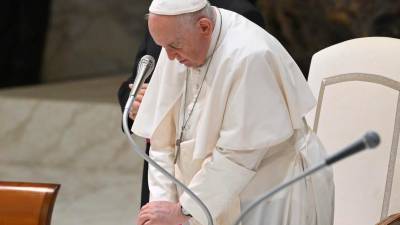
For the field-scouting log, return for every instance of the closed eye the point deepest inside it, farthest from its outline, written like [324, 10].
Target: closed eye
[175, 47]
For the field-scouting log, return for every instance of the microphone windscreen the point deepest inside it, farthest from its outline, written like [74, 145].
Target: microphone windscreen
[372, 139]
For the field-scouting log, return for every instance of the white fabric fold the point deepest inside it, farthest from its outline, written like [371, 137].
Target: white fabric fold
[207, 185]
[161, 187]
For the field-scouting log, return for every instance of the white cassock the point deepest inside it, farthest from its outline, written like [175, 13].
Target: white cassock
[245, 136]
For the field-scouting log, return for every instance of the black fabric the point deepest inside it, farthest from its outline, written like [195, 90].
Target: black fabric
[23, 26]
[145, 184]
[149, 47]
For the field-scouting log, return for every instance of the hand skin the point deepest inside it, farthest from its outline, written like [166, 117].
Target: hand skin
[138, 100]
[161, 213]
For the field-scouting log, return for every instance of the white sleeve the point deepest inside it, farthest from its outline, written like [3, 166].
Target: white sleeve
[161, 188]
[226, 168]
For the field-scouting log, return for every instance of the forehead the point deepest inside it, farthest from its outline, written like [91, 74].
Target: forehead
[164, 29]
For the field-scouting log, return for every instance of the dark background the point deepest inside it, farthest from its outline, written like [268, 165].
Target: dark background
[29, 28]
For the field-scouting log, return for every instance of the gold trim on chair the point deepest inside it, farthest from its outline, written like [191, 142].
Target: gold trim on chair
[376, 79]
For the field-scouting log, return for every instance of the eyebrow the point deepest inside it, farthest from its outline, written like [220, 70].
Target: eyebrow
[172, 45]
[175, 44]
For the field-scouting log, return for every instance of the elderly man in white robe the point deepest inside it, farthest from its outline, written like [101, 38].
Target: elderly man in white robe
[224, 114]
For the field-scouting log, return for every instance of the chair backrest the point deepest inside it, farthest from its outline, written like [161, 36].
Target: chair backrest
[357, 84]
[391, 220]
[27, 203]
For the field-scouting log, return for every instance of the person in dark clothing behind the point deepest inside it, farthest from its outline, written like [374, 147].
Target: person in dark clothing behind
[149, 47]
[23, 27]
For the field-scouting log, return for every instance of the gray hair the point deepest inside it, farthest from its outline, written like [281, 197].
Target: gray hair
[190, 19]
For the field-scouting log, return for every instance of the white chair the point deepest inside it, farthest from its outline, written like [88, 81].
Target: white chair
[357, 85]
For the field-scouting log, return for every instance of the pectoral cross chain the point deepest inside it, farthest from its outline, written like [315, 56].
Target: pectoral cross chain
[178, 146]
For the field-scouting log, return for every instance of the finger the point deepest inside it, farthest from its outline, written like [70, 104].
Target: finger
[143, 217]
[135, 106]
[130, 86]
[142, 91]
[145, 207]
[142, 221]
[139, 98]
[134, 109]
[132, 116]
[145, 85]
[132, 113]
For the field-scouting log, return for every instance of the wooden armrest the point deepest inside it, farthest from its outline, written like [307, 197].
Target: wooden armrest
[391, 220]
[27, 203]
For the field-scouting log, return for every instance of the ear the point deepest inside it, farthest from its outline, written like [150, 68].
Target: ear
[206, 26]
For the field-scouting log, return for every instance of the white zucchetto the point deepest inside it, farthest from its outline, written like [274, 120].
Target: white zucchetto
[176, 7]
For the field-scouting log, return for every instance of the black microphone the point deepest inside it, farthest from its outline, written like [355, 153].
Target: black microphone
[369, 140]
[145, 67]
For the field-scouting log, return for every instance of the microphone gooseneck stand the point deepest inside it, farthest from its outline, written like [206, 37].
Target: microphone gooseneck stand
[369, 140]
[132, 95]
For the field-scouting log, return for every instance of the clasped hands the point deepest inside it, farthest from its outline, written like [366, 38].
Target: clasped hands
[161, 213]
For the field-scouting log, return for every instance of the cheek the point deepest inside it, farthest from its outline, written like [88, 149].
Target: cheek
[193, 53]
[183, 54]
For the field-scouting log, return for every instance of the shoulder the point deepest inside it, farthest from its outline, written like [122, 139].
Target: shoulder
[243, 39]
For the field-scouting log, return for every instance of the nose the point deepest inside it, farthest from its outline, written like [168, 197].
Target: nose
[171, 54]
